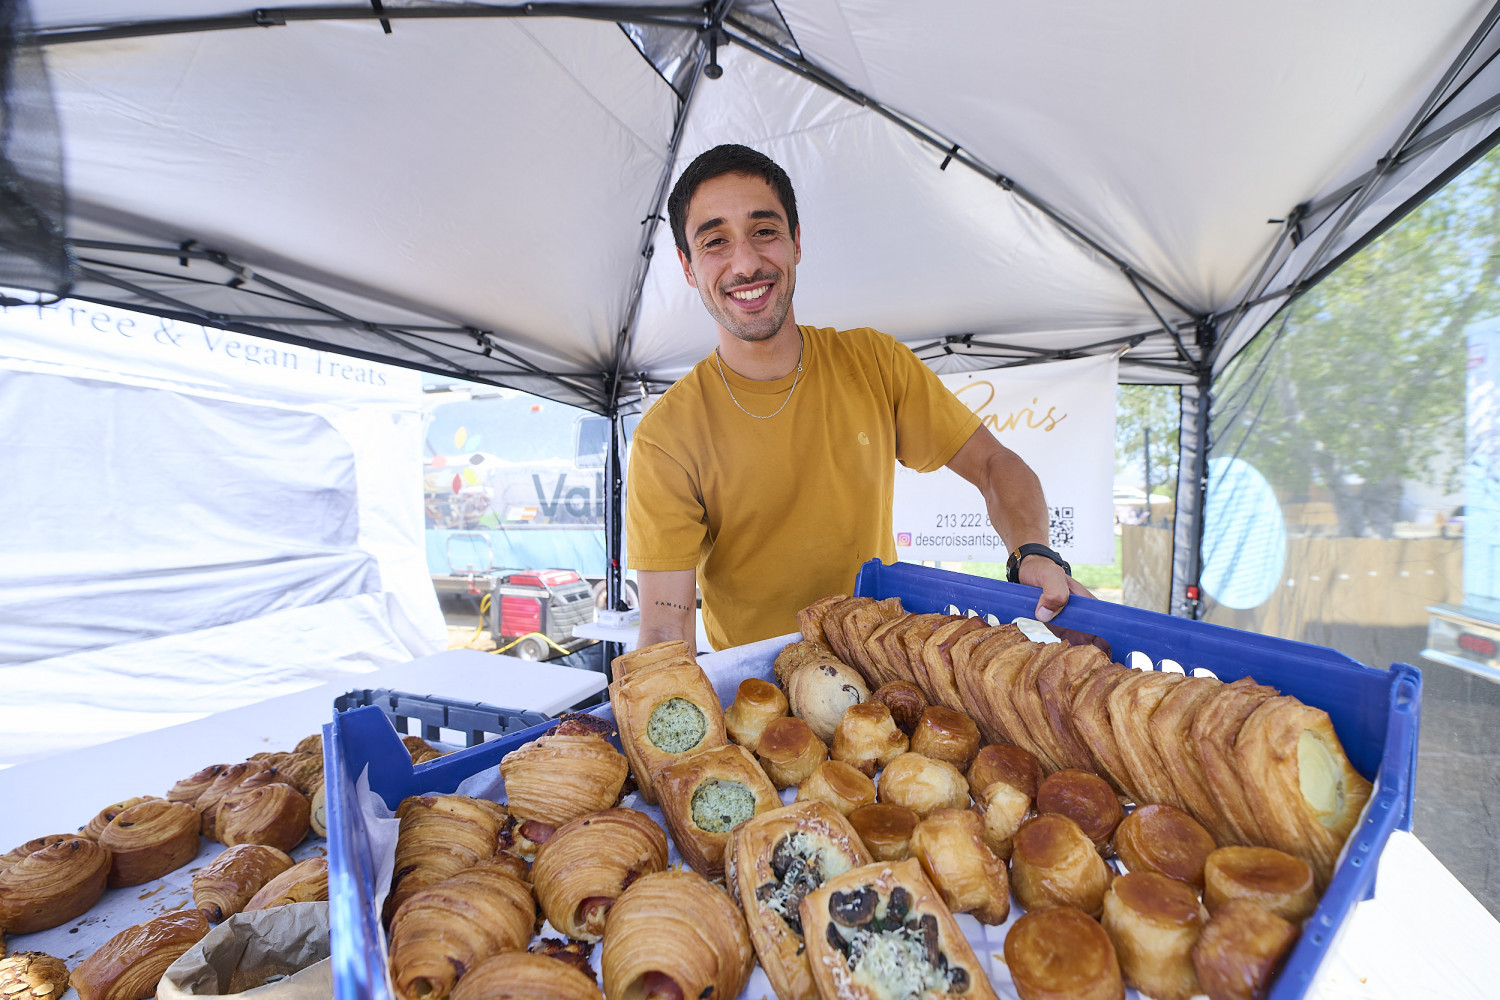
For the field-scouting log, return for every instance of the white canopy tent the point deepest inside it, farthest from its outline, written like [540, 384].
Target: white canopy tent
[477, 189]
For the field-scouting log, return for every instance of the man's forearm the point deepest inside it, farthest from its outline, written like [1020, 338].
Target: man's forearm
[668, 606]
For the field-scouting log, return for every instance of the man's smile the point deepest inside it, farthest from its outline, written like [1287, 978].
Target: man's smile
[752, 296]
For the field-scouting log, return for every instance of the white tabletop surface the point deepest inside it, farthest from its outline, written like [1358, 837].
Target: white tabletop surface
[627, 635]
[60, 793]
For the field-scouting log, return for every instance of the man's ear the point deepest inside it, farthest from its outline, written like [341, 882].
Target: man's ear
[797, 244]
[687, 269]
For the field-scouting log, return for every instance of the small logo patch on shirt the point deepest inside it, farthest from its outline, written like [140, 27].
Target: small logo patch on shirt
[863, 438]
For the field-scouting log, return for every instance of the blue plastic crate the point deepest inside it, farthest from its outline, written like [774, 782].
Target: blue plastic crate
[1375, 713]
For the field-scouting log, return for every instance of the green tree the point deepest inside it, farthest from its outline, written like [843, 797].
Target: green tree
[1359, 387]
[1156, 409]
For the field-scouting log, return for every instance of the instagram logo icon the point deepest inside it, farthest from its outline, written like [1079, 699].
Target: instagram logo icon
[903, 538]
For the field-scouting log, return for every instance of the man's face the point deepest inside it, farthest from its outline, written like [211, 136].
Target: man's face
[744, 255]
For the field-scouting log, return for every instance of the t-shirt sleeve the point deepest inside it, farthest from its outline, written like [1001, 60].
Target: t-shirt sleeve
[931, 422]
[665, 523]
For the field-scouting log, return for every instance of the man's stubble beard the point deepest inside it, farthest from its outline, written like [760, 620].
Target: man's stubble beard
[757, 333]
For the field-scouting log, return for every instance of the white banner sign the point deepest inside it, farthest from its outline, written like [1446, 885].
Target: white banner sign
[1060, 418]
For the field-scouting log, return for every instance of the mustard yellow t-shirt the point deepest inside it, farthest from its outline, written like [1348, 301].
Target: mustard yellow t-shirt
[777, 513]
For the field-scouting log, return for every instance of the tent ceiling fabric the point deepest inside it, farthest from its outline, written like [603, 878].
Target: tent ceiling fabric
[472, 183]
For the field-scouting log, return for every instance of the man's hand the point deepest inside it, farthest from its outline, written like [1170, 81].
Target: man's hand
[669, 603]
[1039, 571]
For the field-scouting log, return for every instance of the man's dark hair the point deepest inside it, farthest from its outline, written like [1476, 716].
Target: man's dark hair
[727, 159]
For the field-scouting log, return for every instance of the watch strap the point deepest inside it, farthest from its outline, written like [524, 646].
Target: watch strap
[1013, 564]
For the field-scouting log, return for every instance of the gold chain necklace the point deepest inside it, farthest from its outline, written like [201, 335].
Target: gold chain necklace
[798, 377]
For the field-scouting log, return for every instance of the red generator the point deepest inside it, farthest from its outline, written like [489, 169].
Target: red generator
[545, 601]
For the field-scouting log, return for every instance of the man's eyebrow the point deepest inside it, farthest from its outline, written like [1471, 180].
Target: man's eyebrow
[766, 213]
[710, 224]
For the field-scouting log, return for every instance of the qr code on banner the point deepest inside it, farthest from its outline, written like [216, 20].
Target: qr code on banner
[1060, 527]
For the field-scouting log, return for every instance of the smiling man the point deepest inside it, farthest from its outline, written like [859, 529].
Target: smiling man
[766, 475]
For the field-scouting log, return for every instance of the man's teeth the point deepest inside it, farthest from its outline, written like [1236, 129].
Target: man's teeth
[747, 296]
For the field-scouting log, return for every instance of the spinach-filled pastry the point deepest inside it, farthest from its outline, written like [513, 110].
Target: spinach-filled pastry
[448, 928]
[705, 796]
[674, 933]
[569, 772]
[581, 870]
[774, 861]
[520, 975]
[881, 932]
[639, 661]
[663, 714]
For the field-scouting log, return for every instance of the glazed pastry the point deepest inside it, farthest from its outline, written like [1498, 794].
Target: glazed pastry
[1008, 763]
[1216, 726]
[517, 975]
[648, 658]
[1055, 864]
[18, 854]
[52, 885]
[1054, 686]
[1240, 950]
[776, 859]
[950, 845]
[441, 835]
[944, 734]
[1061, 954]
[705, 796]
[421, 751]
[1091, 722]
[922, 784]
[755, 704]
[905, 701]
[1130, 706]
[569, 772]
[303, 771]
[1170, 726]
[133, 961]
[304, 882]
[665, 713]
[1003, 807]
[98, 823]
[935, 669]
[885, 830]
[310, 744]
[794, 656]
[276, 815]
[833, 626]
[1165, 840]
[838, 784]
[882, 930]
[32, 975]
[821, 691]
[452, 926]
[789, 752]
[1271, 879]
[1085, 798]
[231, 779]
[581, 871]
[190, 789]
[810, 618]
[867, 738]
[234, 877]
[1153, 922]
[1305, 793]
[675, 933]
[150, 839]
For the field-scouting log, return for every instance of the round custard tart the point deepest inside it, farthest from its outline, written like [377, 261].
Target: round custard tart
[1062, 954]
[1265, 876]
[885, 829]
[662, 714]
[841, 786]
[1008, 763]
[1086, 799]
[790, 752]
[882, 931]
[1164, 839]
[705, 796]
[1240, 950]
[774, 861]
[943, 734]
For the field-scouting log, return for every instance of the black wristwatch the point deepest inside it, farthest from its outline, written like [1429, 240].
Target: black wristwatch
[1013, 564]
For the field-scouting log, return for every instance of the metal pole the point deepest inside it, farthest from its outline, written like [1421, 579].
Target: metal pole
[613, 533]
[1147, 434]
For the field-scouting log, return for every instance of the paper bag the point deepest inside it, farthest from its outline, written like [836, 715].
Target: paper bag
[275, 954]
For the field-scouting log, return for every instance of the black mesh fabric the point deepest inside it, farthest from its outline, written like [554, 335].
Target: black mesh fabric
[33, 204]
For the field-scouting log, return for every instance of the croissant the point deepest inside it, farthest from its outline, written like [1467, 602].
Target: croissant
[1240, 950]
[1170, 726]
[420, 750]
[756, 704]
[993, 704]
[905, 701]
[581, 870]
[810, 618]
[885, 830]
[32, 975]
[775, 860]
[1055, 864]
[1091, 722]
[923, 784]
[304, 882]
[867, 738]
[665, 713]
[231, 778]
[1166, 840]
[882, 930]
[131, 963]
[935, 668]
[150, 839]
[675, 932]
[1216, 726]
[945, 734]
[518, 975]
[1305, 793]
[821, 691]
[1130, 706]
[950, 845]
[451, 926]
[1154, 922]
[1271, 879]
[310, 744]
[234, 877]
[1062, 954]
[439, 836]
[98, 823]
[52, 885]
[705, 796]
[191, 789]
[1055, 685]
[844, 787]
[833, 625]
[857, 626]
[569, 772]
[1086, 799]
[648, 658]
[276, 815]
